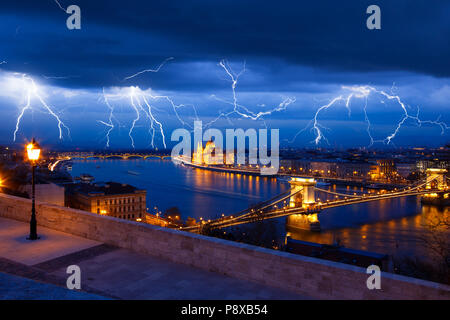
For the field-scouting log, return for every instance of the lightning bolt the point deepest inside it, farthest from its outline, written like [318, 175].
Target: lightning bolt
[364, 92]
[239, 109]
[132, 98]
[152, 121]
[110, 122]
[59, 5]
[32, 91]
[139, 102]
[316, 125]
[149, 70]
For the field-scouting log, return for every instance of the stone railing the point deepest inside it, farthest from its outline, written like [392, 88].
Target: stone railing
[304, 275]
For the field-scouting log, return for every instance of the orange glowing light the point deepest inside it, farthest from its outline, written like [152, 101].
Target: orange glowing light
[33, 151]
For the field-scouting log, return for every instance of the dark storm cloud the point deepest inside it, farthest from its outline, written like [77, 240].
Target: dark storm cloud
[119, 38]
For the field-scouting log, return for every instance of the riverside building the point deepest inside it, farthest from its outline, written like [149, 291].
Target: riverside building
[111, 198]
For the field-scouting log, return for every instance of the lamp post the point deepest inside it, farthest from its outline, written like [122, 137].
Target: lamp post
[33, 151]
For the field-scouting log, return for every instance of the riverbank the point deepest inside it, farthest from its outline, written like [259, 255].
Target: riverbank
[333, 180]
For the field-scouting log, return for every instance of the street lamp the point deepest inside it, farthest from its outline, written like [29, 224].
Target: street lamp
[33, 151]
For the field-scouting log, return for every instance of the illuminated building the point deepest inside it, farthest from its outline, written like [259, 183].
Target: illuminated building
[423, 165]
[387, 167]
[381, 169]
[205, 155]
[111, 199]
[209, 152]
[296, 165]
[197, 156]
[323, 168]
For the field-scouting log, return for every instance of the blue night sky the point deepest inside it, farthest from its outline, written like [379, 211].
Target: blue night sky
[298, 56]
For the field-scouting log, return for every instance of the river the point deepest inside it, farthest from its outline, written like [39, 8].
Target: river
[391, 226]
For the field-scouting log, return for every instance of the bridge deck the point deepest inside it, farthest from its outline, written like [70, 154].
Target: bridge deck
[278, 213]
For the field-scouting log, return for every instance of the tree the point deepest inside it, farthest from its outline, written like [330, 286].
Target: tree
[173, 214]
[437, 237]
[259, 233]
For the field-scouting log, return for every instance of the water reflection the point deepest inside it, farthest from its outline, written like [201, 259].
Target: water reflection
[197, 193]
[390, 226]
[396, 236]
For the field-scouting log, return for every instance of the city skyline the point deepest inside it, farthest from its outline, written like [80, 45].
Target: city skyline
[199, 153]
[281, 82]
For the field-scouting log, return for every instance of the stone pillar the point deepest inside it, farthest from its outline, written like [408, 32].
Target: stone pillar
[309, 222]
[305, 198]
[306, 186]
[296, 196]
[309, 194]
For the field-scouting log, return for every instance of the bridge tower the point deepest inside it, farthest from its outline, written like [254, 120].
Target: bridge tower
[303, 195]
[303, 191]
[436, 179]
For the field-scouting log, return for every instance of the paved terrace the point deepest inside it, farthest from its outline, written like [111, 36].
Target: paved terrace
[37, 270]
[132, 260]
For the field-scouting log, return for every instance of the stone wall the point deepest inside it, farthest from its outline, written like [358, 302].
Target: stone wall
[304, 275]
